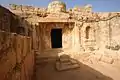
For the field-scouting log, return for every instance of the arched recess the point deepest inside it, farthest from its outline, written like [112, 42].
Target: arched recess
[88, 30]
[89, 33]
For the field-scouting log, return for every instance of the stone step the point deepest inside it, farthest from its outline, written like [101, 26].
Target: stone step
[74, 61]
[66, 63]
[63, 59]
[65, 66]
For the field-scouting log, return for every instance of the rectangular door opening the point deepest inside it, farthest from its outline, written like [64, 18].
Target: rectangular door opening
[56, 38]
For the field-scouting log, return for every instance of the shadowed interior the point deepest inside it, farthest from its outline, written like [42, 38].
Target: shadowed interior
[56, 38]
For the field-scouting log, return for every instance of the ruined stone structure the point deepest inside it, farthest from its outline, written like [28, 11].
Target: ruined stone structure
[81, 28]
[74, 31]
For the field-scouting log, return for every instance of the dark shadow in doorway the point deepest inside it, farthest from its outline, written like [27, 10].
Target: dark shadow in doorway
[56, 38]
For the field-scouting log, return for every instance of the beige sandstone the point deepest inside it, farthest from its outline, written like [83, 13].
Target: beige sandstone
[87, 36]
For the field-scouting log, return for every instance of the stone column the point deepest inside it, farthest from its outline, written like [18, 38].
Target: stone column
[76, 46]
[104, 34]
[34, 36]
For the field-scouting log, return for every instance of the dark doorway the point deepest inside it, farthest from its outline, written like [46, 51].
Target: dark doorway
[56, 38]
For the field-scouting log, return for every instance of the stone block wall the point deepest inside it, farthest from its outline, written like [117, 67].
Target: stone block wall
[16, 57]
[26, 8]
[101, 28]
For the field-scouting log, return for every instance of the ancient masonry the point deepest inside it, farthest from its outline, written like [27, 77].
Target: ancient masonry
[25, 30]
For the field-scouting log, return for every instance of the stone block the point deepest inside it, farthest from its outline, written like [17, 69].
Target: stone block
[66, 66]
[73, 61]
[107, 60]
[64, 58]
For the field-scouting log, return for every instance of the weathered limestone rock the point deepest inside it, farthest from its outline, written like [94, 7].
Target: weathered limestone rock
[82, 29]
[83, 34]
[16, 56]
[12, 23]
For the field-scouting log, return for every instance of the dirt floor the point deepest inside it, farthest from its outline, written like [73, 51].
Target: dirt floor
[87, 71]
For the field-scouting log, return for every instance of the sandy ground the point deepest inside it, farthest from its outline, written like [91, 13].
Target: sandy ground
[87, 71]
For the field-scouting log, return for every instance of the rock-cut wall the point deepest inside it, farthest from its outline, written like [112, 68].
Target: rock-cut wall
[12, 23]
[16, 57]
[16, 54]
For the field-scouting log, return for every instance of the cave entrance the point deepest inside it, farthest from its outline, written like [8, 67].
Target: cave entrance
[56, 38]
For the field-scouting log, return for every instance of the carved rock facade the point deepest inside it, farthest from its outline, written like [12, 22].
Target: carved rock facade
[82, 30]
